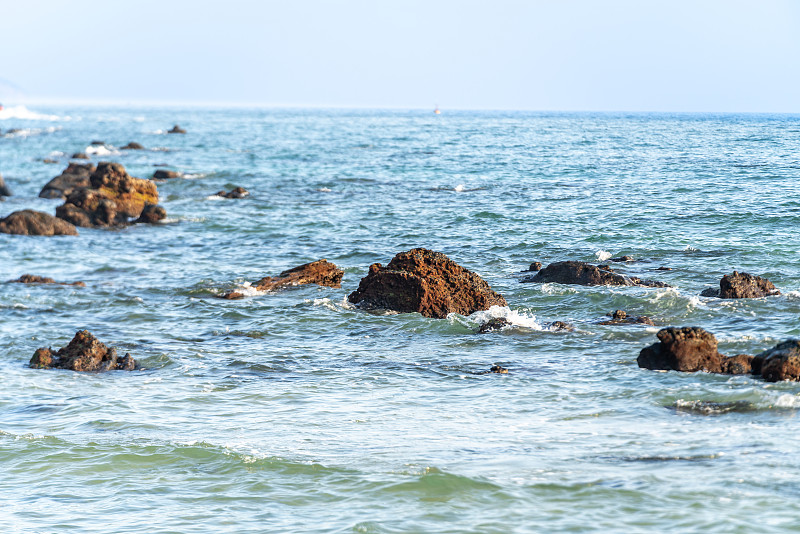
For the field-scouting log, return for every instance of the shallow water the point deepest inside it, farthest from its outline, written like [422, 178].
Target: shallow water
[295, 412]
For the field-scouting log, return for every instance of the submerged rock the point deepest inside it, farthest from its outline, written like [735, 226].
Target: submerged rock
[426, 282]
[495, 323]
[165, 175]
[114, 197]
[621, 317]
[238, 192]
[559, 326]
[176, 130]
[622, 259]
[782, 362]
[80, 155]
[742, 286]
[132, 146]
[498, 370]
[33, 279]
[4, 190]
[151, 214]
[320, 272]
[582, 273]
[535, 266]
[83, 353]
[75, 177]
[29, 222]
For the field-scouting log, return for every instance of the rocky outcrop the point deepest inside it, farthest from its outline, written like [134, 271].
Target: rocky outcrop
[782, 362]
[581, 273]
[33, 279]
[151, 214]
[495, 323]
[132, 146]
[238, 192]
[687, 349]
[165, 175]
[742, 286]
[620, 317]
[320, 272]
[29, 222]
[73, 178]
[176, 130]
[4, 190]
[426, 282]
[113, 199]
[84, 353]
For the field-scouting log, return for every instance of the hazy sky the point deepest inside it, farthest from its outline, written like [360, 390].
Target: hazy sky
[676, 55]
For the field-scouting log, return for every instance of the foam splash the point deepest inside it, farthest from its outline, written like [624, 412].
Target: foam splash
[248, 290]
[689, 248]
[27, 132]
[602, 255]
[100, 150]
[459, 188]
[21, 112]
[788, 401]
[792, 295]
[512, 316]
[324, 190]
[325, 302]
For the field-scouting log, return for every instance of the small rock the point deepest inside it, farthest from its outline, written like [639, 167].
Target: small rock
[80, 155]
[29, 222]
[620, 317]
[98, 143]
[233, 295]
[535, 266]
[662, 268]
[151, 214]
[84, 353]
[688, 349]
[495, 323]
[782, 362]
[4, 190]
[176, 130]
[165, 175]
[132, 146]
[581, 273]
[320, 272]
[622, 259]
[50, 161]
[33, 279]
[239, 192]
[745, 286]
[559, 326]
[499, 370]
[741, 364]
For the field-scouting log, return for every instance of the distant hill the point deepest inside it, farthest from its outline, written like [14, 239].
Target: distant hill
[10, 91]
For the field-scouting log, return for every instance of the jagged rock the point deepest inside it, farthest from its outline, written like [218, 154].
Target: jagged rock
[498, 369]
[132, 146]
[114, 197]
[33, 279]
[29, 222]
[535, 266]
[782, 362]
[320, 272]
[741, 364]
[83, 353]
[427, 282]
[4, 190]
[164, 175]
[176, 130]
[742, 286]
[239, 192]
[581, 273]
[80, 155]
[687, 349]
[495, 323]
[151, 214]
[73, 178]
[621, 317]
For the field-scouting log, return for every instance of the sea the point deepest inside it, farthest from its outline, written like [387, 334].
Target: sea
[294, 411]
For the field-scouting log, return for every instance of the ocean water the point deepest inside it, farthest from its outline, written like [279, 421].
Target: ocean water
[295, 412]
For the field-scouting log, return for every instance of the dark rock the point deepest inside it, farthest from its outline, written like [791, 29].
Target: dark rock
[320, 272]
[495, 323]
[745, 286]
[164, 175]
[50, 161]
[557, 326]
[710, 292]
[499, 370]
[621, 317]
[84, 353]
[80, 155]
[151, 214]
[578, 272]
[239, 192]
[29, 222]
[426, 282]
[622, 259]
[741, 364]
[87, 208]
[73, 178]
[782, 362]
[33, 279]
[662, 268]
[98, 143]
[176, 130]
[535, 266]
[686, 349]
[4, 190]
[132, 146]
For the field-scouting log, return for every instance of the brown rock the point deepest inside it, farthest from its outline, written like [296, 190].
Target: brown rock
[73, 178]
[239, 192]
[88, 208]
[152, 214]
[623, 259]
[176, 130]
[581, 273]
[741, 364]
[33, 279]
[535, 266]
[427, 282]
[559, 326]
[29, 222]
[782, 362]
[165, 175]
[80, 155]
[495, 323]
[499, 370]
[83, 353]
[745, 286]
[621, 317]
[320, 272]
[132, 146]
[4, 190]
[687, 349]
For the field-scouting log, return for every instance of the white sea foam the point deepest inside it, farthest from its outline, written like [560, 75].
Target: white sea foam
[459, 188]
[512, 316]
[324, 190]
[100, 150]
[325, 302]
[792, 295]
[21, 112]
[248, 290]
[602, 255]
[788, 401]
[689, 248]
[56, 154]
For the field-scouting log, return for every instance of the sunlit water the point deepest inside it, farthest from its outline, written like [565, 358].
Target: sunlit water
[295, 412]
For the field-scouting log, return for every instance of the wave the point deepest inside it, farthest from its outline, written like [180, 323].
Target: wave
[100, 150]
[514, 317]
[21, 112]
[602, 255]
[28, 132]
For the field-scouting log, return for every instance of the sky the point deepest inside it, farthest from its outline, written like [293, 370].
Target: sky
[582, 55]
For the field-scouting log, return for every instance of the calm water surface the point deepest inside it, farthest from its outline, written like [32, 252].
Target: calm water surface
[294, 412]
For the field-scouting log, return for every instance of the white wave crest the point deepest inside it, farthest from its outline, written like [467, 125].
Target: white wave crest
[332, 305]
[512, 316]
[602, 255]
[21, 112]
[689, 248]
[100, 150]
[459, 188]
[788, 401]
[792, 295]
[248, 290]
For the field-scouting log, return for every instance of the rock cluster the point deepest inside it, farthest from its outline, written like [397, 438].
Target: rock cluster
[237, 192]
[74, 178]
[29, 222]
[742, 286]
[83, 353]
[320, 272]
[34, 279]
[586, 274]
[426, 282]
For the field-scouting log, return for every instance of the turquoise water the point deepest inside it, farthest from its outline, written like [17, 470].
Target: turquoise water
[294, 412]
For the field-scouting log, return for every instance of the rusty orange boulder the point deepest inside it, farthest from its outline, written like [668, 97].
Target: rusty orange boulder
[84, 353]
[320, 272]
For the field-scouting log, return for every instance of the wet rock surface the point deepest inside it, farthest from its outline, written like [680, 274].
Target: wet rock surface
[320, 272]
[238, 192]
[33, 279]
[535, 266]
[132, 146]
[4, 189]
[162, 174]
[84, 353]
[686, 349]
[426, 282]
[582, 273]
[151, 214]
[176, 130]
[80, 155]
[495, 323]
[29, 222]
[621, 317]
[75, 177]
[742, 286]
[782, 362]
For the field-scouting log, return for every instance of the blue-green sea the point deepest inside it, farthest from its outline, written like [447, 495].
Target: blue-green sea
[293, 411]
